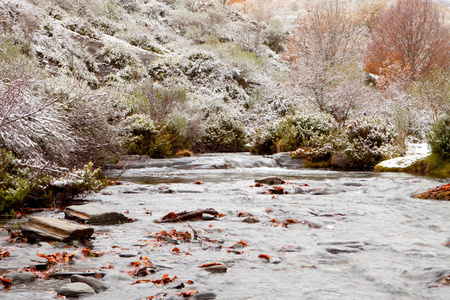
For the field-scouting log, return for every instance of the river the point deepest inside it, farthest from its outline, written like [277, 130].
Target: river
[360, 235]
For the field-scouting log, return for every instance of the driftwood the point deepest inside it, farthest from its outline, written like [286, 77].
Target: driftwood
[186, 215]
[44, 228]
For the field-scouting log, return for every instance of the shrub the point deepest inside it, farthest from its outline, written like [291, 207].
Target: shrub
[20, 187]
[14, 185]
[119, 57]
[223, 133]
[439, 137]
[140, 134]
[290, 133]
[363, 144]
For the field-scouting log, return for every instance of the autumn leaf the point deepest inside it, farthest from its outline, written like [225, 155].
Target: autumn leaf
[186, 293]
[210, 265]
[264, 256]
[5, 282]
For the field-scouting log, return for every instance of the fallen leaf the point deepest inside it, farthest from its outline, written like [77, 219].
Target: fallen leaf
[210, 265]
[264, 256]
[186, 293]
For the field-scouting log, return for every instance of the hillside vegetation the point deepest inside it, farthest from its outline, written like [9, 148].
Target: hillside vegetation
[90, 81]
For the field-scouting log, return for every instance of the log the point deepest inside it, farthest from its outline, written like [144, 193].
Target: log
[185, 216]
[51, 229]
[94, 213]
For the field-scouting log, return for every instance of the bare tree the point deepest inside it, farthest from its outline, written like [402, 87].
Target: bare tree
[327, 38]
[412, 34]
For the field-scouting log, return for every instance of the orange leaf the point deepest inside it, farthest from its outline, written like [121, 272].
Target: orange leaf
[210, 264]
[264, 256]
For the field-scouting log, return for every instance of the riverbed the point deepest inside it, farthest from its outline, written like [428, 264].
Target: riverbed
[352, 235]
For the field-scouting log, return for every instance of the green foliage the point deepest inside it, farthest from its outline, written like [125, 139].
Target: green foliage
[223, 133]
[360, 145]
[141, 134]
[19, 187]
[14, 185]
[365, 142]
[439, 137]
[292, 132]
[432, 165]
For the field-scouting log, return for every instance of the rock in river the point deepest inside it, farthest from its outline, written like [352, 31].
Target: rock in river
[272, 180]
[94, 213]
[76, 289]
[44, 228]
[21, 277]
[94, 283]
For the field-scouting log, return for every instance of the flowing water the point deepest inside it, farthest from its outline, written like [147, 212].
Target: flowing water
[367, 238]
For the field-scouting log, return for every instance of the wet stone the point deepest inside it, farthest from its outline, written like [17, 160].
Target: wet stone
[21, 277]
[128, 254]
[94, 213]
[216, 269]
[205, 296]
[45, 228]
[96, 284]
[342, 250]
[275, 260]
[76, 289]
[60, 275]
[208, 217]
[272, 180]
[251, 220]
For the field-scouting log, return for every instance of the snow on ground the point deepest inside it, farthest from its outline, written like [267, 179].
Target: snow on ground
[413, 154]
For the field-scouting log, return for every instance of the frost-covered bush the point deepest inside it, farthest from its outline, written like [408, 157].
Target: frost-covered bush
[142, 41]
[439, 137]
[360, 145]
[106, 25]
[82, 28]
[274, 38]
[140, 134]
[223, 133]
[292, 132]
[119, 57]
[363, 144]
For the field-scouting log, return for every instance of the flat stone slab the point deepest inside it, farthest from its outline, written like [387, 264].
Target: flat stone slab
[45, 228]
[94, 213]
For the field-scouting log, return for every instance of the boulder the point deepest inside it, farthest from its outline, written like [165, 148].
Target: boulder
[76, 289]
[45, 228]
[96, 284]
[272, 180]
[94, 213]
[21, 277]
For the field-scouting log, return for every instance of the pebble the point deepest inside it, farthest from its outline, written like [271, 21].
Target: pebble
[76, 289]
